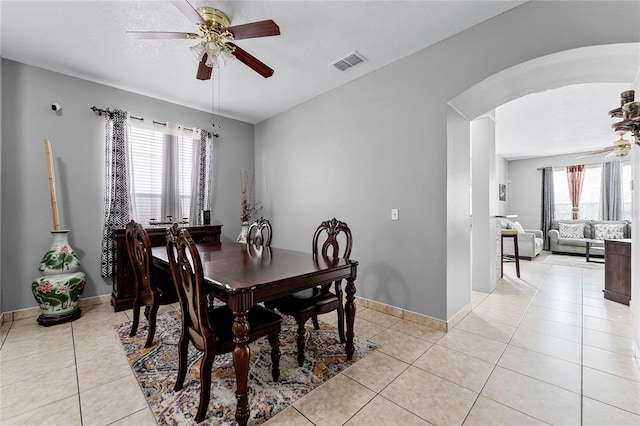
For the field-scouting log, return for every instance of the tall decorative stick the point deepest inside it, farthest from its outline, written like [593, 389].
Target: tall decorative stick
[52, 186]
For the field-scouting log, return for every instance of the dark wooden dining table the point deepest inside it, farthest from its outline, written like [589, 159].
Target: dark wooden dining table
[242, 277]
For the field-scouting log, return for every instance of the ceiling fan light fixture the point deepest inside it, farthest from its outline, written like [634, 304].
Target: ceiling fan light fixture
[212, 61]
[212, 48]
[198, 51]
[227, 56]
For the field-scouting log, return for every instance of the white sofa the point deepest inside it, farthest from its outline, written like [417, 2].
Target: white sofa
[530, 241]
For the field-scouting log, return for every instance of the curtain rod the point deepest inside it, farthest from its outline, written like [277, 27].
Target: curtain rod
[586, 164]
[101, 111]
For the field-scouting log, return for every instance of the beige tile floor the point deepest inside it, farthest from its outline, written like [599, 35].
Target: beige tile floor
[544, 349]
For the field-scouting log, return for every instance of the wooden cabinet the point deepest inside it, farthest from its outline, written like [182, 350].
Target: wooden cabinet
[124, 289]
[617, 270]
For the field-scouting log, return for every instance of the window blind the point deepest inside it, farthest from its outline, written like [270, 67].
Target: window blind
[147, 150]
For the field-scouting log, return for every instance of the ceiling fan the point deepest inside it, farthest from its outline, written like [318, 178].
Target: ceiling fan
[216, 38]
[620, 148]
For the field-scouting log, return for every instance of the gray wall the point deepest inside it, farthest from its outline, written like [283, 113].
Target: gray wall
[77, 137]
[380, 142]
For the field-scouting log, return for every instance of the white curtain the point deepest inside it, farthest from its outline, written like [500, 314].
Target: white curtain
[170, 205]
[175, 165]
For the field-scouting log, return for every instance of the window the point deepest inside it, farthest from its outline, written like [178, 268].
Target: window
[590, 197]
[149, 146]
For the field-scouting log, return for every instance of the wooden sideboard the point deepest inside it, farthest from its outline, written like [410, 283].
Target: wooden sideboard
[617, 270]
[124, 289]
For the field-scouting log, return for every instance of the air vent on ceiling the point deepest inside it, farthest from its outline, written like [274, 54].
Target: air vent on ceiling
[349, 61]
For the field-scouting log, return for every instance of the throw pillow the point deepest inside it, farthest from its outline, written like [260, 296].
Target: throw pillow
[571, 230]
[518, 227]
[609, 231]
[506, 224]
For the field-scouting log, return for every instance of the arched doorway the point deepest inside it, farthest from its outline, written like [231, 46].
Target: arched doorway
[618, 63]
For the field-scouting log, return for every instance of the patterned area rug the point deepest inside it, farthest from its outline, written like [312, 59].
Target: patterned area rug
[156, 369]
[574, 261]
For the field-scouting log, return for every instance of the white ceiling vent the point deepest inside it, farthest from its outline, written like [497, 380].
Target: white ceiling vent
[349, 61]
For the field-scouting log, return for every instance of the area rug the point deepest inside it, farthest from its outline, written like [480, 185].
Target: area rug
[156, 369]
[574, 261]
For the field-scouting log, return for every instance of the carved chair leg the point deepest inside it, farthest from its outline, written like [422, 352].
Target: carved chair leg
[205, 385]
[183, 346]
[316, 324]
[136, 318]
[274, 340]
[300, 341]
[147, 309]
[340, 310]
[151, 331]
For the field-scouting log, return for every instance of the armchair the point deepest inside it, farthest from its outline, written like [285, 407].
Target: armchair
[530, 241]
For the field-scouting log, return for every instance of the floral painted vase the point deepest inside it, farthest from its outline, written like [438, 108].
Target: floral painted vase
[244, 233]
[58, 290]
[60, 259]
[58, 295]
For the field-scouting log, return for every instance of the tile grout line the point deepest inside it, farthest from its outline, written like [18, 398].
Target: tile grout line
[75, 362]
[505, 348]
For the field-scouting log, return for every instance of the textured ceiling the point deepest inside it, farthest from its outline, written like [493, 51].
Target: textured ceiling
[567, 120]
[86, 39]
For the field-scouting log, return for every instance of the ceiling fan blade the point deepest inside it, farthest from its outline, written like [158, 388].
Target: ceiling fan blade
[189, 11]
[159, 35]
[254, 29]
[600, 151]
[253, 63]
[204, 72]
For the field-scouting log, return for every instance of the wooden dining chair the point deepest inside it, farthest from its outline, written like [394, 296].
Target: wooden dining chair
[210, 328]
[260, 233]
[308, 304]
[148, 294]
[259, 239]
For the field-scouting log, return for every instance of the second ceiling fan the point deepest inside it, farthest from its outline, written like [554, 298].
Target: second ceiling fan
[216, 38]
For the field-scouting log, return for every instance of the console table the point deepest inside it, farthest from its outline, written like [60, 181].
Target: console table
[617, 270]
[124, 289]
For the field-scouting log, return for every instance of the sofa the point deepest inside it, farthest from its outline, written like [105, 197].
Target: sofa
[569, 236]
[530, 241]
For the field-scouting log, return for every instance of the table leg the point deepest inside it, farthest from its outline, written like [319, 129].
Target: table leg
[587, 250]
[350, 313]
[241, 356]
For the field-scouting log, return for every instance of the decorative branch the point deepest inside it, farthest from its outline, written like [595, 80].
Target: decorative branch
[249, 209]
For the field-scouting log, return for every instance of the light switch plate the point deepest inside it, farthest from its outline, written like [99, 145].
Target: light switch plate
[394, 214]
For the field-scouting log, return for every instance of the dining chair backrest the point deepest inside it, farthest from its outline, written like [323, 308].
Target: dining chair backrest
[188, 278]
[260, 233]
[139, 251]
[326, 239]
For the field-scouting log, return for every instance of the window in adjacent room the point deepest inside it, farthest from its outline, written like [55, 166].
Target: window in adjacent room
[590, 198]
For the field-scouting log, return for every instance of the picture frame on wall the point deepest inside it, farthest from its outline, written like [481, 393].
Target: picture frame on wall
[502, 192]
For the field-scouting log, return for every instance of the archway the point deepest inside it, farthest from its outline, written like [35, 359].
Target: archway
[617, 63]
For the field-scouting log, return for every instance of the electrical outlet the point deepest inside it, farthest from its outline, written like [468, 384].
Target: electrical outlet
[394, 214]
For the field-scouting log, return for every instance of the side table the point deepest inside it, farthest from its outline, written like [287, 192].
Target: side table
[589, 247]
